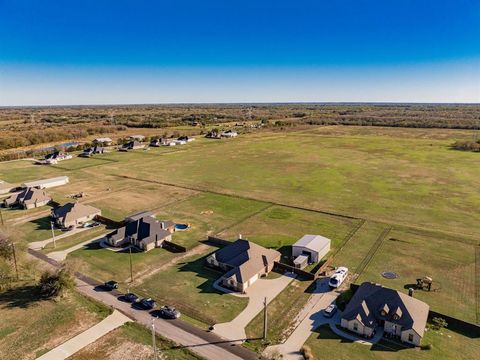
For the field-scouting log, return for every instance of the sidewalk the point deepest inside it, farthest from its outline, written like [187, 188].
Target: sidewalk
[111, 322]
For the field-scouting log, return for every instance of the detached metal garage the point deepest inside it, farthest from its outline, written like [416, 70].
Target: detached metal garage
[315, 247]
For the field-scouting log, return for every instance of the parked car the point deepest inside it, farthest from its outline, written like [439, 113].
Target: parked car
[90, 225]
[70, 228]
[145, 304]
[330, 310]
[338, 277]
[111, 285]
[169, 312]
[130, 297]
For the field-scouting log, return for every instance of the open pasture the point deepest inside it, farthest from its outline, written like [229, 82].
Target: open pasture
[414, 254]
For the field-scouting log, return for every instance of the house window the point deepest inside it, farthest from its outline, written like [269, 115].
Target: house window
[355, 326]
[410, 337]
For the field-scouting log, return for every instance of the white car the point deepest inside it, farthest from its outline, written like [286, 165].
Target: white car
[330, 310]
[338, 277]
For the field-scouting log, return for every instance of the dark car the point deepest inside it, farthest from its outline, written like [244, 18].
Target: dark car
[145, 304]
[169, 312]
[111, 285]
[130, 297]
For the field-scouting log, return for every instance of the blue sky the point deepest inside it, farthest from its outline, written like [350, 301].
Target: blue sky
[96, 52]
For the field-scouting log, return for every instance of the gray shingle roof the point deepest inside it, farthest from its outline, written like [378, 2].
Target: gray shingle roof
[370, 299]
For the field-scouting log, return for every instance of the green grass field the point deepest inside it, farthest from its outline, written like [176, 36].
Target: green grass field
[449, 262]
[445, 345]
[188, 286]
[408, 179]
[279, 227]
[31, 326]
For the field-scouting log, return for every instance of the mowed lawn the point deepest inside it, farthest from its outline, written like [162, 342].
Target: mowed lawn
[414, 254]
[30, 326]
[445, 345]
[188, 286]
[383, 178]
[206, 213]
[279, 227]
[35, 230]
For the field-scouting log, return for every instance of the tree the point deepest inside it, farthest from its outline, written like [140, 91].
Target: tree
[56, 283]
[5, 249]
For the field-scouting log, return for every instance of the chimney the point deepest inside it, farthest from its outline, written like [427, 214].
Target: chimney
[410, 292]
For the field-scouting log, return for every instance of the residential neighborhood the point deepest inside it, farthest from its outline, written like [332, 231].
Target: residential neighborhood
[240, 180]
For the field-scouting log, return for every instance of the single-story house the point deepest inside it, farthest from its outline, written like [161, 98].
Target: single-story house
[74, 214]
[143, 231]
[243, 262]
[131, 145]
[213, 134]
[47, 183]
[92, 151]
[5, 187]
[313, 247]
[186, 138]
[400, 315]
[105, 141]
[28, 199]
[155, 142]
[229, 134]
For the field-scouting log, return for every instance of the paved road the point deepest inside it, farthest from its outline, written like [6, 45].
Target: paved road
[309, 318]
[235, 329]
[206, 344]
[87, 337]
[181, 333]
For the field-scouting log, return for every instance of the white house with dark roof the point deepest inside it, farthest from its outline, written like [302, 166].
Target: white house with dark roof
[372, 306]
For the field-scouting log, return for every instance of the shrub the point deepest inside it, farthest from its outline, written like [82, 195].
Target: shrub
[438, 323]
[56, 283]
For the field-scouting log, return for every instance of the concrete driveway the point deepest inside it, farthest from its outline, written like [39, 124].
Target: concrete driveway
[62, 255]
[235, 329]
[39, 245]
[309, 318]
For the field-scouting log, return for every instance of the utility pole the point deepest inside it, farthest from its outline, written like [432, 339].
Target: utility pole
[265, 319]
[131, 268]
[53, 235]
[15, 259]
[154, 341]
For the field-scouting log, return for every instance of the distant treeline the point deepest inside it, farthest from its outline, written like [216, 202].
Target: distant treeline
[23, 127]
[29, 137]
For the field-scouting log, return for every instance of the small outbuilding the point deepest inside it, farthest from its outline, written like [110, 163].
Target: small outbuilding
[314, 247]
[46, 183]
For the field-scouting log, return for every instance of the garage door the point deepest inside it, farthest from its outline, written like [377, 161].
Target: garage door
[253, 279]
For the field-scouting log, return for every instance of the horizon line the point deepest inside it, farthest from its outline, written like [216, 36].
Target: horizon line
[246, 103]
